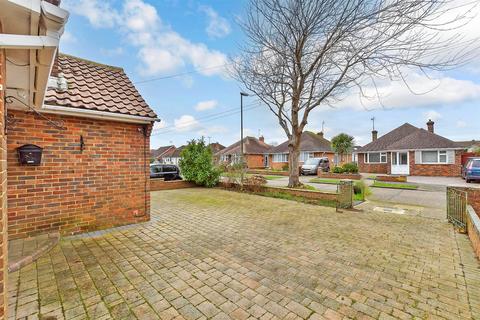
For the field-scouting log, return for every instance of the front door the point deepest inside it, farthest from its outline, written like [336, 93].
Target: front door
[400, 163]
[265, 160]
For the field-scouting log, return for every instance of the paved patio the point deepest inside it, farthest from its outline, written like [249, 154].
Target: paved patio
[212, 254]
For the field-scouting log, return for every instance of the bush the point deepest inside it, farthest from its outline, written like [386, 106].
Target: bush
[233, 174]
[360, 190]
[256, 182]
[285, 167]
[197, 166]
[350, 168]
[337, 169]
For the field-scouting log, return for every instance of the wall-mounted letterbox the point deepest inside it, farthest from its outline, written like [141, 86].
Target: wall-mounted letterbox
[30, 155]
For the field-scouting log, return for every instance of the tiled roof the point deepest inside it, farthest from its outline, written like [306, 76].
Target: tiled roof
[468, 144]
[178, 151]
[408, 137]
[94, 86]
[165, 151]
[216, 147]
[251, 145]
[309, 141]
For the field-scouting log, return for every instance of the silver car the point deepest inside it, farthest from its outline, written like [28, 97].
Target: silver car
[312, 165]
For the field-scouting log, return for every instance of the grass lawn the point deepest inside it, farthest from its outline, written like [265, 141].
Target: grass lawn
[269, 177]
[324, 181]
[405, 186]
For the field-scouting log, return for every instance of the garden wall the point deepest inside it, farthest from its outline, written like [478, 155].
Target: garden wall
[473, 229]
[268, 172]
[391, 178]
[331, 175]
[160, 184]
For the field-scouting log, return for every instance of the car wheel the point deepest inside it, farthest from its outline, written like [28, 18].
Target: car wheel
[468, 180]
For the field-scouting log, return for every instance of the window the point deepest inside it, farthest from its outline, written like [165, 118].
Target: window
[434, 156]
[306, 155]
[376, 157]
[280, 157]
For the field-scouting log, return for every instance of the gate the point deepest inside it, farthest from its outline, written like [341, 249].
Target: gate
[457, 207]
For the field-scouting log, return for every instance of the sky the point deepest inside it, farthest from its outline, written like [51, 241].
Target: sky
[176, 53]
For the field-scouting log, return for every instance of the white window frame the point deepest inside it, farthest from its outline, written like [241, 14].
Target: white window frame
[440, 153]
[305, 155]
[382, 154]
[280, 157]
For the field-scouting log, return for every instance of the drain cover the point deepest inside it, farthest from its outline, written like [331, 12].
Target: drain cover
[390, 210]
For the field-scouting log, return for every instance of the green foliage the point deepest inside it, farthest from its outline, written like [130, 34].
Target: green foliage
[342, 143]
[350, 168]
[197, 165]
[285, 167]
[337, 169]
[233, 173]
[324, 181]
[476, 150]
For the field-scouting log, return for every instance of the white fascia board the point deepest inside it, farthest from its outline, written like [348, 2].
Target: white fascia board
[13, 41]
[94, 114]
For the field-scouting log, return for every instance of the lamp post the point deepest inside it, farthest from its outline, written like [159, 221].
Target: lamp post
[242, 94]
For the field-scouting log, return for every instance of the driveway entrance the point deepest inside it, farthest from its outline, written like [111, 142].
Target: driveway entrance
[213, 254]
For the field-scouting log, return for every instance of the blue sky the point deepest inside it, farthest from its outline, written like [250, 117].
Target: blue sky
[192, 40]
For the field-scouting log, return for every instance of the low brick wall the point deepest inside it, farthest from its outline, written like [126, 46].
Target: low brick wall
[473, 197]
[473, 229]
[392, 178]
[269, 172]
[331, 175]
[307, 194]
[160, 184]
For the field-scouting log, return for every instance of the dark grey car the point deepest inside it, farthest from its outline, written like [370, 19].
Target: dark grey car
[165, 171]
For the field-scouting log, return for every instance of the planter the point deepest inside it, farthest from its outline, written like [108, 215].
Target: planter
[331, 175]
[392, 178]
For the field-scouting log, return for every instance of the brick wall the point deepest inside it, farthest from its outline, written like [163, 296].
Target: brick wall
[106, 185]
[3, 193]
[159, 184]
[473, 229]
[443, 170]
[373, 167]
[255, 161]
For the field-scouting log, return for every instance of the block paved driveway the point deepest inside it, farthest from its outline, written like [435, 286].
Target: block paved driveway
[212, 254]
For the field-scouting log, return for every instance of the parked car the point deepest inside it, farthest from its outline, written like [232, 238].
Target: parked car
[165, 171]
[471, 170]
[311, 166]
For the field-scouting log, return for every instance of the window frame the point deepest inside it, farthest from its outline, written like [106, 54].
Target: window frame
[305, 155]
[440, 154]
[282, 156]
[381, 155]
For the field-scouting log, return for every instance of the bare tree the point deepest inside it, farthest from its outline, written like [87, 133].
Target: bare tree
[302, 54]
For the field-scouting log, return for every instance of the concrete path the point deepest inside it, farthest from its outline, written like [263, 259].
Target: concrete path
[214, 254]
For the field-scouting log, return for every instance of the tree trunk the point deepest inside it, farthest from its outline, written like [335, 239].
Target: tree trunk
[293, 164]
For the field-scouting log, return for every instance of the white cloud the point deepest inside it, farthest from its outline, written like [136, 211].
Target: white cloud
[461, 124]
[118, 51]
[206, 105]
[99, 13]
[212, 130]
[426, 93]
[160, 49]
[218, 27]
[68, 37]
[432, 115]
[159, 125]
[186, 123]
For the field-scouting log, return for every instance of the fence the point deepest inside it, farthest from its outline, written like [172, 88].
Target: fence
[457, 207]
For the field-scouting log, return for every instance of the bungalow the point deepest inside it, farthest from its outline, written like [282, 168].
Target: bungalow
[163, 154]
[255, 152]
[176, 155]
[312, 145]
[408, 150]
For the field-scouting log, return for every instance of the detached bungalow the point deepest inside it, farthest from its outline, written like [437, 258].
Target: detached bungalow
[163, 154]
[255, 151]
[312, 145]
[408, 150]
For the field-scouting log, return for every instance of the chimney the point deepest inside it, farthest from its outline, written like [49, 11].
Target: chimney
[430, 126]
[262, 139]
[320, 134]
[374, 135]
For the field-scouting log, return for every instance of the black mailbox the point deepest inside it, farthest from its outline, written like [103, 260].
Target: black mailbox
[30, 155]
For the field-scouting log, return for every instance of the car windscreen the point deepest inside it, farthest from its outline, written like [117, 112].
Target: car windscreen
[475, 164]
[155, 169]
[312, 161]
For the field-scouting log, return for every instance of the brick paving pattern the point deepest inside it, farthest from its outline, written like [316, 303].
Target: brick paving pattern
[212, 254]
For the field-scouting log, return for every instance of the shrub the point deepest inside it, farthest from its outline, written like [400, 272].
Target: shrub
[197, 165]
[350, 168]
[256, 182]
[233, 174]
[337, 169]
[285, 167]
[360, 190]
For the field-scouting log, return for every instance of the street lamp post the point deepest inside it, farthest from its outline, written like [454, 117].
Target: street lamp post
[242, 94]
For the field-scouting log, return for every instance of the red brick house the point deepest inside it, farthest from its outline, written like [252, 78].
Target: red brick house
[163, 154]
[408, 150]
[255, 151]
[312, 145]
[94, 129]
